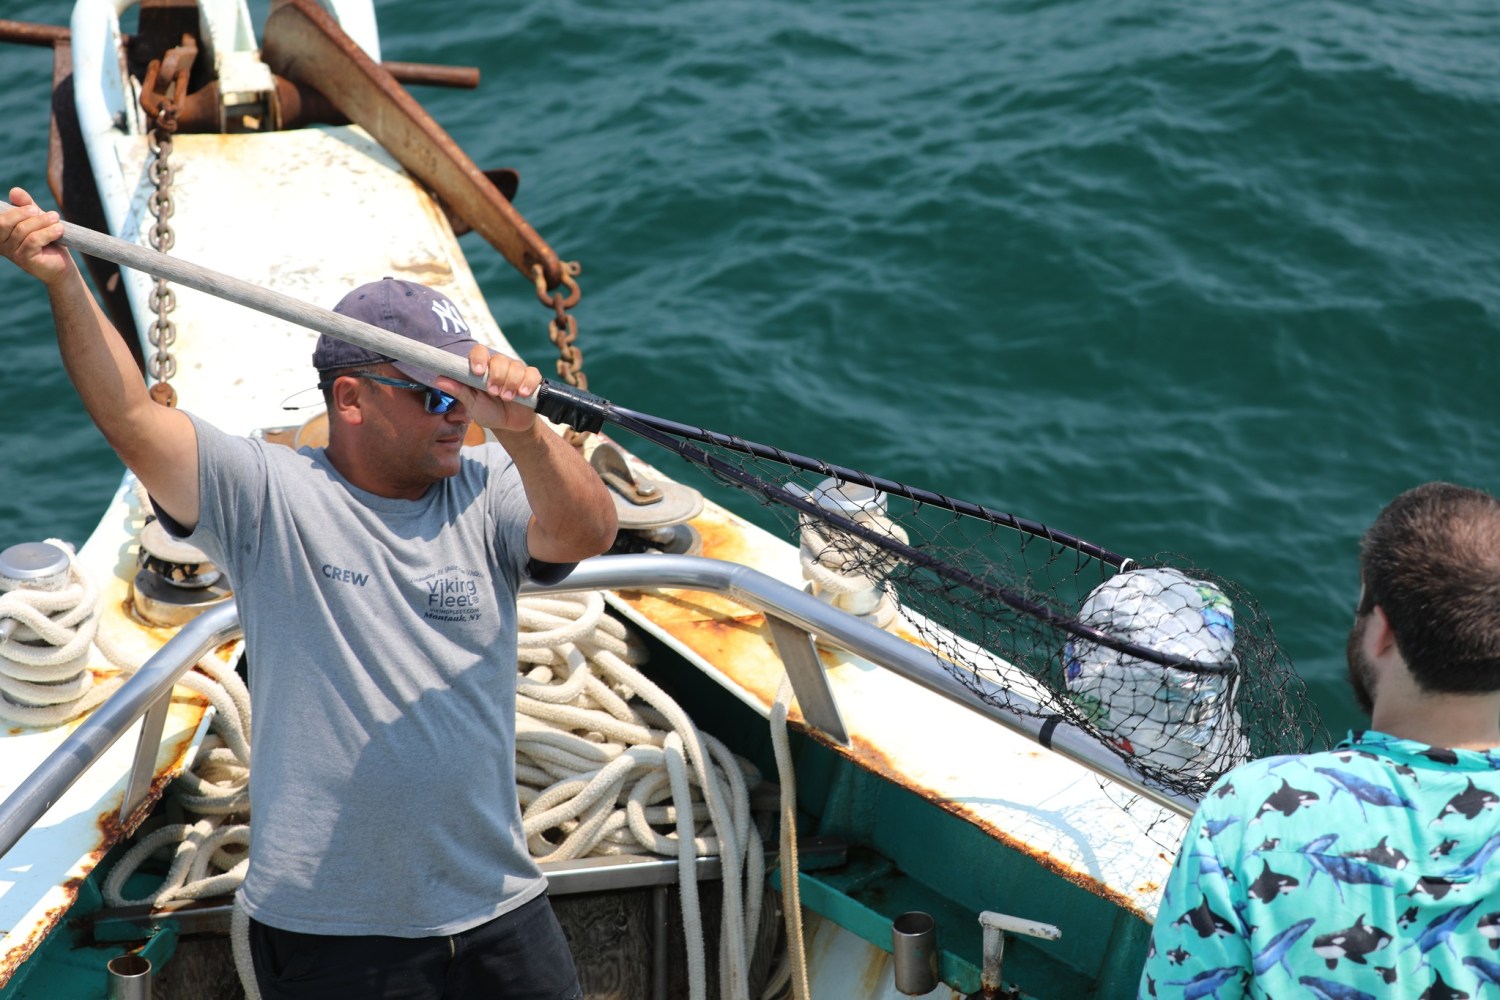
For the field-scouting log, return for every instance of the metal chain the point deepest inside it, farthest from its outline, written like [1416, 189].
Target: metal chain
[163, 332]
[563, 327]
[562, 330]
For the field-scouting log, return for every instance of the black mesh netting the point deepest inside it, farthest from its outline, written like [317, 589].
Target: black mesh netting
[1175, 670]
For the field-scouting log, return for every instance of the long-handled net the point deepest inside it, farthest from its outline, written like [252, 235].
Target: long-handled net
[1174, 669]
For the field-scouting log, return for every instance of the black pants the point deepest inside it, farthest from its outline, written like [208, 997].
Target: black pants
[521, 955]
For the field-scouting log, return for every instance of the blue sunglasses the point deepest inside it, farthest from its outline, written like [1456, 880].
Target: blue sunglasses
[436, 401]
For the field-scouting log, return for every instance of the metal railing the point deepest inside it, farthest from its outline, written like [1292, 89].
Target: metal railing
[794, 618]
[148, 693]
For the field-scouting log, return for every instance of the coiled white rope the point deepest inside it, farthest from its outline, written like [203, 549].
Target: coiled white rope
[600, 749]
[209, 849]
[45, 678]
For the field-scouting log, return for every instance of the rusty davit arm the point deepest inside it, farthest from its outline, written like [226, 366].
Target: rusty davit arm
[305, 45]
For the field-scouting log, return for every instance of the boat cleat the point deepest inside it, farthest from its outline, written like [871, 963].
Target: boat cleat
[653, 514]
[841, 569]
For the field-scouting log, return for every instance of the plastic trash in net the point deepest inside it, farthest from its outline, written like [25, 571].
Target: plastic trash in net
[1174, 717]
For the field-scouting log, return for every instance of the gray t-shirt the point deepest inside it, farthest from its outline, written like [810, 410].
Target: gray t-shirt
[381, 637]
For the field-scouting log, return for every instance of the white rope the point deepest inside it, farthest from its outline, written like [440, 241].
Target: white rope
[600, 748]
[239, 943]
[687, 871]
[791, 894]
[829, 563]
[209, 855]
[44, 667]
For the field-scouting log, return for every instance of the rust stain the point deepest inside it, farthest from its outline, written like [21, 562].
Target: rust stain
[873, 972]
[724, 539]
[176, 761]
[156, 633]
[734, 639]
[111, 830]
[18, 954]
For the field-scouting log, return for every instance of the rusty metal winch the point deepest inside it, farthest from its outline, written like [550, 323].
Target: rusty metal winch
[175, 582]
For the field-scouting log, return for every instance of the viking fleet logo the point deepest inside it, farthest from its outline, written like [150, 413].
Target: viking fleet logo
[450, 593]
[453, 594]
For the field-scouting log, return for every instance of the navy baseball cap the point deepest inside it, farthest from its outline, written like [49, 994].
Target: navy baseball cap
[403, 307]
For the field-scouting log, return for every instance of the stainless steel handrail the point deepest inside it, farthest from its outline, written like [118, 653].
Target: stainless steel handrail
[755, 589]
[149, 688]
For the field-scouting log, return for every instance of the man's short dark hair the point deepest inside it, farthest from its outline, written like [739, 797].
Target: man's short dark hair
[1431, 561]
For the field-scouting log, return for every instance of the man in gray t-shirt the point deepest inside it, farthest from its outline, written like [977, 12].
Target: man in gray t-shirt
[376, 579]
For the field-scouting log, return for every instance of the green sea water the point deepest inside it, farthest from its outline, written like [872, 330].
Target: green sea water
[1208, 278]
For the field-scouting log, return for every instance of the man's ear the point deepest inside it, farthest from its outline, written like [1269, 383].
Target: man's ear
[345, 400]
[1379, 641]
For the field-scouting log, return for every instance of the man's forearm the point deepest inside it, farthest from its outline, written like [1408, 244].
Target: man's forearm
[573, 516]
[156, 442]
[96, 358]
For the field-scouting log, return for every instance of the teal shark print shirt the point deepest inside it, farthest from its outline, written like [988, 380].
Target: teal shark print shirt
[1360, 873]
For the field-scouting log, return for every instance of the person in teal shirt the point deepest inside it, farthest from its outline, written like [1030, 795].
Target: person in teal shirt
[1364, 871]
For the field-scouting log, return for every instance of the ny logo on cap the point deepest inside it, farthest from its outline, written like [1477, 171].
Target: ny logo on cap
[448, 311]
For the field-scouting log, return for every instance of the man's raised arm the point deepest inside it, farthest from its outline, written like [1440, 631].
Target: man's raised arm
[156, 442]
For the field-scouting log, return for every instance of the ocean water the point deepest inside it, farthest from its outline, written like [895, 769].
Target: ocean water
[1207, 278]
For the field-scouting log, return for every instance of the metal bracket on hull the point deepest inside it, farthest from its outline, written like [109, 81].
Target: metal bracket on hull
[805, 670]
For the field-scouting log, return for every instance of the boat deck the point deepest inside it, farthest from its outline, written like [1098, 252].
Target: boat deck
[278, 222]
